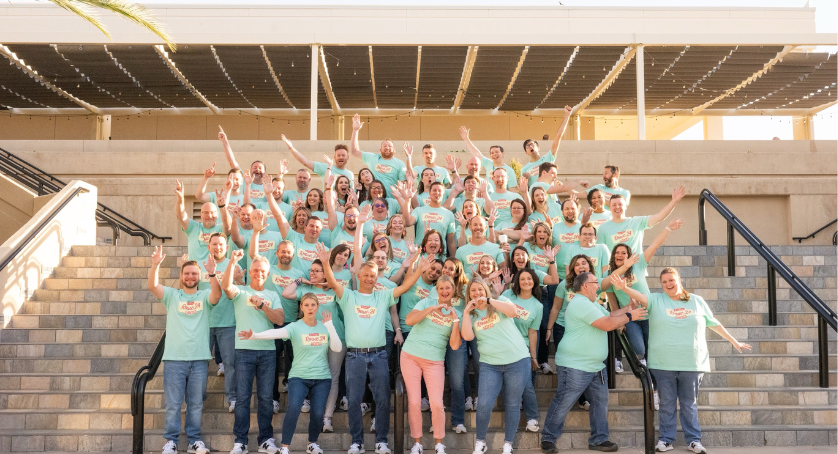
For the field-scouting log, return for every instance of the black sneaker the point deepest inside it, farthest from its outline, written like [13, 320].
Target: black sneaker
[605, 446]
[549, 447]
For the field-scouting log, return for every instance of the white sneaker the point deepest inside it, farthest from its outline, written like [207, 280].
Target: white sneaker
[459, 429]
[507, 448]
[276, 406]
[232, 406]
[269, 447]
[365, 408]
[663, 446]
[643, 362]
[585, 406]
[469, 404]
[657, 401]
[355, 448]
[696, 447]
[382, 448]
[344, 403]
[327, 425]
[283, 387]
[220, 372]
[197, 448]
[479, 447]
[546, 369]
[425, 404]
[313, 448]
[532, 425]
[618, 366]
[416, 449]
[306, 406]
[372, 426]
[170, 447]
[239, 448]
[284, 450]
[439, 448]
[475, 404]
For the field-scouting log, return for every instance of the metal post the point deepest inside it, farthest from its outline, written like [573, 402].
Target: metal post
[702, 228]
[398, 418]
[823, 354]
[731, 251]
[641, 93]
[648, 413]
[772, 296]
[609, 363]
[315, 57]
[138, 437]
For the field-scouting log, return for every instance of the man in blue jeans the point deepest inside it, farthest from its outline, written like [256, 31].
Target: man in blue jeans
[257, 309]
[582, 370]
[186, 350]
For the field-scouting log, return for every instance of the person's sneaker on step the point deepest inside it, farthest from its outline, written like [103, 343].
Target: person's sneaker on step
[220, 372]
[170, 447]
[532, 425]
[268, 446]
[548, 447]
[663, 446]
[696, 447]
[605, 446]
[239, 448]
[197, 448]
[546, 369]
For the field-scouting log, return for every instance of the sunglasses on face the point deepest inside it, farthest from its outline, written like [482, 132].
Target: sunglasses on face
[379, 205]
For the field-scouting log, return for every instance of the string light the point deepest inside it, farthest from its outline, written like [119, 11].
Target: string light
[134, 79]
[230, 79]
[87, 78]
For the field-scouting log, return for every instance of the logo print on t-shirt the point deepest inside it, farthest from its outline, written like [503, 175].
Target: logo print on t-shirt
[190, 307]
[256, 194]
[324, 298]
[206, 278]
[378, 287]
[594, 260]
[680, 313]
[307, 255]
[266, 245]
[422, 292]
[254, 300]
[383, 169]
[439, 319]
[313, 339]
[598, 222]
[540, 260]
[433, 218]
[521, 313]
[365, 311]
[502, 204]
[622, 237]
[281, 281]
[568, 238]
[474, 257]
[205, 237]
[399, 254]
[487, 322]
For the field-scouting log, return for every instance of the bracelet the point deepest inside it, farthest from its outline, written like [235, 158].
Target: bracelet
[327, 189]
[551, 262]
[298, 280]
[398, 329]
[221, 206]
[211, 275]
[491, 227]
[667, 228]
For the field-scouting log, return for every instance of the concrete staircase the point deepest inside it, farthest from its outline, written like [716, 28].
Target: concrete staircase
[67, 361]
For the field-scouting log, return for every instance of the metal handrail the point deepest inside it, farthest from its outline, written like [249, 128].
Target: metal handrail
[642, 373]
[44, 183]
[400, 406]
[812, 235]
[826, 316]
[143, 376]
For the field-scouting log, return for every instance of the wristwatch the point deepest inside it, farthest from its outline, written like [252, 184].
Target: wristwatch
[551, 262]
[628, 314]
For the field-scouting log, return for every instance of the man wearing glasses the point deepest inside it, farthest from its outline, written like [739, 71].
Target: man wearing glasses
[587, 245]
[430, 216]
[582, 370]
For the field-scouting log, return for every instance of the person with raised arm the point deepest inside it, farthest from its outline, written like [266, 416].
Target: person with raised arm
[260, 240]
[187, 348]
[599, 255]
[379, 218]
[429, 155]
[490, 164]
[314, 337]
[582, 369]
[629, 230]
[431, 216]
[427, 177]
[395, 231]
[302, 180]
[502, 197]
[277, 194]
[384, 166]
[596, 202]
[197, 233]
[532, 151]
[343, 229]
[235, 181]
[305, 250]
[548, 179]
[364, 312]
[479, 245]
[468, 188]
[255, 308]
[611, 185]
[336, 164]
[257, 168]
[679, 355]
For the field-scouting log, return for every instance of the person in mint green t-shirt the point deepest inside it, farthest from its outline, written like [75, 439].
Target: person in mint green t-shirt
[187, 347]
[336, 164]
[599, 215]
[309, 375]
[678, 353]
[479, 245]
[420, 291]
[599, 254]
[629, 230]
[580, 359]
[532, 150]
[197, 233]
[610, 185]
[432, 216]
[501, 199]
[429, 156]
[494, 161]
[383, 165]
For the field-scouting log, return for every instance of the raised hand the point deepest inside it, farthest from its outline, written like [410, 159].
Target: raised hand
[326, 316]
[328, 160]
[523, 184]
[235, 256]
[323, 252]
[245, 335]
[551, 253]
[248, 178]
[675, 224]
[427, 225]
[364, 215]
[584, 183]
[331, 182]
[298, 203]
[526, 175]
[268, 185]
[739, 346]
[219, 196]
[283, 167]
[179, 190]
[638, 313]
[450, 164]
[567, 111]
[461, 219]
[378, 228]
[493, 216]
[507, 275]
[408, 149]
[287, 142]
[484, 186]
[357, 124]
[238, 276]
[257, 219]
[679, 193]
[351, 199]
[411, 247]
[471, 305]
[424, 264]
[209, 172]
[463, 132]
[525, 232]
[222, 136]
[209, 265]
[588, 212]
[458, 186]
[157, 256]
[505, 248]
[633, 259]
[618, 282]
[573, 199]
[183, 259]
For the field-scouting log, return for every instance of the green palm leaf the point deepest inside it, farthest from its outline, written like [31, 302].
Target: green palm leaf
[138, 14]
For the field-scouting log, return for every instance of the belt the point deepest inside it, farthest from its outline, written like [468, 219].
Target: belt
[366, 350]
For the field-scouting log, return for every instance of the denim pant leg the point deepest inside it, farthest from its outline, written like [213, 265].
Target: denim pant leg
[635, 336]
[265, 369]
[667, 384]
[246, 370]
[547, 294]
[175, 375]
[688, 383]
[217, 356]
[571, 384]
[226, 344]
[356, 379]
[475, 365]
[320, 391]
[380, 384]
[297, 391]
[597, 394]
[335, 362]
[456, 361]
[516, 376]
[491, 381]
[529, 399]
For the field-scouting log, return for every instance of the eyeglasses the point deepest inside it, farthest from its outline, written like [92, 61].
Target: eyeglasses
[351, 216]
[587, 234]
[381, 240]
[379, 205]
[592, 282]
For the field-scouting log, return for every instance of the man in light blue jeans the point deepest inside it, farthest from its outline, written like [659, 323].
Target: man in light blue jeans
[580, 360]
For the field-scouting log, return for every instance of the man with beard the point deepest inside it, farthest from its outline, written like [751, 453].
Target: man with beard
[530, 169]
[337, 164]
[257, 168]
[429, 154]
[611, 185]
[566, 232]
[197, 233]
[384, 167]
[502, 197]
[343, 229]
[430, 216]
[304, 248]
[267, 240]
[302, 181]
[276, 193]
[187, 349]
[629, 230]
[496, 161]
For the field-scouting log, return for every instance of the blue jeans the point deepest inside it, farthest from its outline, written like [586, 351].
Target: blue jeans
[283, 348]
[683, 387]
[298, 389]
[638, 336]
[558, 334]
[548, 292]
[457, 363]
[572, 383]
[358, 366]
[225, 346]
[512, 378]
[184, 379]
[529, 400]
[473, 357]
[260, 364]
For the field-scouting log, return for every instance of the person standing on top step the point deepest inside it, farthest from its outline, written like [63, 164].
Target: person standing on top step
[678, 357]
[496, 161]
[302, 181]
[429, 155]
[629, 230]
[187, 348]
[257, 168]
[582, 369]
[337, 163]
[611, 185]
[596, 200]
[384, 166]
[312, 340]
[530, 169]
[431, 216]
[197, 233]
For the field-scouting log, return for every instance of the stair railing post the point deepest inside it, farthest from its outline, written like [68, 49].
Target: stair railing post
[702, 228]
[823, 354]
[731, 250]
[772, 296]
[609, 363]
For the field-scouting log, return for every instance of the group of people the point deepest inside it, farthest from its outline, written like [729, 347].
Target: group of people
[307, 290]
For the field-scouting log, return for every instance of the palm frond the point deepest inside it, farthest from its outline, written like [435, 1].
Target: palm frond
[138, 14]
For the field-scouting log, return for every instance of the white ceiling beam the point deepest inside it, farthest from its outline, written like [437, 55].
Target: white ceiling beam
[372, 79]
[514, 76]
[416, 87]
[165, 55]
[822, 107]
[274, 77]
[465, 79]
[609, 79]
[327, 82]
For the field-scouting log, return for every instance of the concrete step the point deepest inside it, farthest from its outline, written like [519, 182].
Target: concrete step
[62, 336]
[107, 321]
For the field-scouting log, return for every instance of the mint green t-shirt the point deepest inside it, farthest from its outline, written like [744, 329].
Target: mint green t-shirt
[565, 236]
[441, 174]
[269, 215]
[677, 333]
[393, 206]
[311, 347]
[321, 167]
[277, 281]
[222, 314]
[268, 242]
[489, 165]
[470, 255]
[232, 201]
[459, 230]
[344, 278]
[550, 197]
[364, 316]
[187, 325]
[630, 232]
[248, 317]
[400, 251]
[583, 347]
[538, 261]
[597, 219]
[430, 337]
[257, 195]
[290, 195]
[498, 339]
[623, 192]
[440, 219]
[598, 254]
[566, 295]
[371, 226]
[388, 171]
[384, 283]
[554, 212]
[304, 253]
[341, 236]
[198, 237]
[460, 200]
[410, 298]
[636, 282]
[529, 313]
[328, 302]
[532, 167]
[502, 203]
[425, 198]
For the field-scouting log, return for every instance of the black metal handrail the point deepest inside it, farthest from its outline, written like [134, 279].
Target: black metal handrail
[826, 316]
[642, 373]
[812, 235]
[143, 376]
[400, 406]
[44, 183]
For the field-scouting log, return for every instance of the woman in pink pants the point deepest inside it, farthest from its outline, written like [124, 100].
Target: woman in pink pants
[436, 325]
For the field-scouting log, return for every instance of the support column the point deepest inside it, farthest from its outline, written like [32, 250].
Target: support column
[714, 128]
[315, 57]
[103, 127]
[641, 93]
[338, 125]
[802, 128]
[587, 128]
